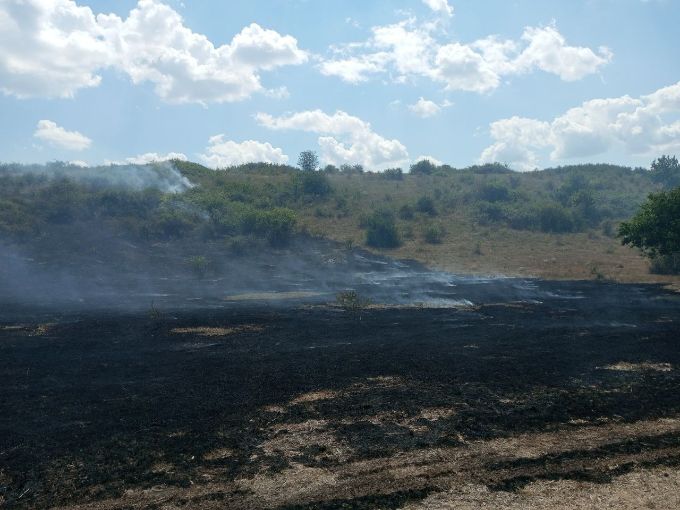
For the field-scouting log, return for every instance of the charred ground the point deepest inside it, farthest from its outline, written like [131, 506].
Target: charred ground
[316, 407]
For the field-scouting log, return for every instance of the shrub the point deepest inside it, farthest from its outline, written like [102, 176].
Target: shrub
[426, 205]
[434, 234]
[423, 167]
[494, 192]
[199, 265]
[351, 301]
[555, 218]
[665, 264]
[313, 183]
[407, 212]
[395, 174]
[488, 212]
[351, 169]
[382, 230]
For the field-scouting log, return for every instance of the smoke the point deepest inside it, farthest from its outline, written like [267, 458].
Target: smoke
[162, 176]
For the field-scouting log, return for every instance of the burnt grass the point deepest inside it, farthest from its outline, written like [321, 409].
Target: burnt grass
[89, 403]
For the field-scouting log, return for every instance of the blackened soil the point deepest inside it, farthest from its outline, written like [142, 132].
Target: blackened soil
[94, 406]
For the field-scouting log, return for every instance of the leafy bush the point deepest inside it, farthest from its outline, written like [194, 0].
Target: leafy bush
[434, 234]
[494, 192]
[423, 167]
[426, 205]
[351, 301]
[313, 183]
[394, 174]
[555, 218]
[199, 265]
[487, 212]
[665, 264]
[407, 212]
[382, 230]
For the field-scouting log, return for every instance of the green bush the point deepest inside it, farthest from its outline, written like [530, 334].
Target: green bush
[382, 230]
[665, 264]
[407, 212]
[494, 192]
[313, 183]
[394, 174]
[426, 205]
[423, 167]
[434, 234]
[555, 218]
[487, 213]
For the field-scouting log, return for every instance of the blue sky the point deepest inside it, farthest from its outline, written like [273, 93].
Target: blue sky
[376, 82]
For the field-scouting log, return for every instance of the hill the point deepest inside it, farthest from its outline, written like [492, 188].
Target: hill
[556, 223]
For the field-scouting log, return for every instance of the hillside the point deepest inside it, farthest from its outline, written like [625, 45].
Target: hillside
[558, 223]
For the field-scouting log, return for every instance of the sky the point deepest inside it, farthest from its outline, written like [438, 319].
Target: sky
[373, 82]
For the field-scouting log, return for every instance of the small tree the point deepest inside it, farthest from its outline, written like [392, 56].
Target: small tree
[423, 167]
[308, 161]
[666, 171]
[655, 229]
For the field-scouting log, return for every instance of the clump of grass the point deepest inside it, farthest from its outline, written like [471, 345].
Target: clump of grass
[351, 301]
[434, 234]
[199, 265]
[597, 273]
[154, 313]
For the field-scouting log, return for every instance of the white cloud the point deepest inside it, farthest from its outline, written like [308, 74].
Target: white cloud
[53, 48]
[647, 125]
[425, 108]
[432, 160]
[344, 139]
[409, 50]
[462, 68]
[547, 50]
[149, 157]
[222, 153]
[440, 6]
[49, 48]
[57, 136]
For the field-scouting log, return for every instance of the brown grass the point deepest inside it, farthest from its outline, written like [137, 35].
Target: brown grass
[216, 331]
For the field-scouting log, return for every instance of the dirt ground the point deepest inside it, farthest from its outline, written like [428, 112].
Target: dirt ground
[572, 403]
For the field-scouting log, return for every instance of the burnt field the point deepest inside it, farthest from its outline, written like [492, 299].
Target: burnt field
[517, 403]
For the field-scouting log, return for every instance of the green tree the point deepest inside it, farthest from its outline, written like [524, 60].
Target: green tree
[308, 161]
[423, 167]
[655, 229]
[666, 171]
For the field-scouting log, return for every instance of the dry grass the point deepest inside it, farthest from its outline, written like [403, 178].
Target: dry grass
[207, 331]
[458, 473]
[624, 366]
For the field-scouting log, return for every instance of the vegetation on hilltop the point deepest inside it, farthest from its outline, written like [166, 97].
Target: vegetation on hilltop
[432, 205]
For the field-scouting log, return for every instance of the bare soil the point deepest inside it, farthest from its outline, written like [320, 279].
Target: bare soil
[564, 403]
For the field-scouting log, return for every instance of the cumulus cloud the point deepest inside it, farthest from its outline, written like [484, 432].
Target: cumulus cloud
[223, 153]
[432, 160]
[409, 50]
[57, 136]
[647, 125]
[344, 138]
[440, 6]
[425, 108]
[53, 48]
